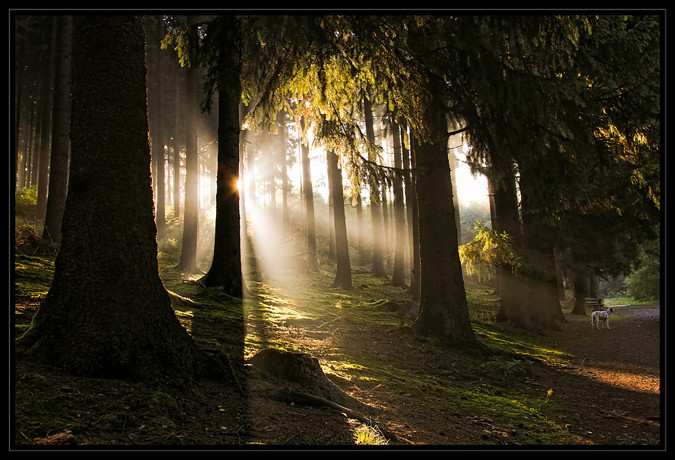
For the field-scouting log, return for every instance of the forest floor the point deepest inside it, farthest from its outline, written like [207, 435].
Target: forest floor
[577, 387]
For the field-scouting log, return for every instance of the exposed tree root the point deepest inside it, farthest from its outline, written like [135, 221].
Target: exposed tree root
[304, 371]
[306, 399]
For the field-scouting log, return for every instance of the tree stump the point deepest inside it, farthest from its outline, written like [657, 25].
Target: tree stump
[304, 371]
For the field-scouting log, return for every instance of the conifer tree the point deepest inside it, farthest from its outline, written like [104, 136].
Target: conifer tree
[107, 313]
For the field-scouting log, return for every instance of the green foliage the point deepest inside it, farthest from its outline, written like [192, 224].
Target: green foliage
[574, 98]
[26, 196]
[366, 435]
[487, 251]
[645, 282]
[179, 38]
[25, 200]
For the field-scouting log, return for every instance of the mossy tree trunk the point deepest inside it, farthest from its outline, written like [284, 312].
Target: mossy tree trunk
[107, 313]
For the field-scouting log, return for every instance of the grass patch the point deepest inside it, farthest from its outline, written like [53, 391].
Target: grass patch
[365, 435]
[622, 301]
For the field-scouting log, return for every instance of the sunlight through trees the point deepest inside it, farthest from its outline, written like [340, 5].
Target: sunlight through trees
[284, 146]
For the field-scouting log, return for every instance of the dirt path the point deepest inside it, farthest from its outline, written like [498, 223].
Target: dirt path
[612, 388]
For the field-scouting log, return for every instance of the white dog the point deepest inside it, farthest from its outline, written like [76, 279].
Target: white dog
[599, 315]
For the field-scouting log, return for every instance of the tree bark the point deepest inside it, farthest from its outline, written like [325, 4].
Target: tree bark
[225, 268]
[343, 276]
[107, 313]
[580, 292]
[444, 312]
[331, 206]
[398, 272]
[188, 256]
[506, 219]
[539, 270]
[157, 111]
[413, 228]
[308, 192]
[285, 186]
[375, 207]
[58, 168]
[452, 160]
[359, 220]
[45, 101]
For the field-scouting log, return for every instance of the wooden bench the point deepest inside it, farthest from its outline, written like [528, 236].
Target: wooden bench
[595, 303]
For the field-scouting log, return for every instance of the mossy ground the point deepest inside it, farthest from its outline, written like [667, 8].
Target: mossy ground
[426, 393]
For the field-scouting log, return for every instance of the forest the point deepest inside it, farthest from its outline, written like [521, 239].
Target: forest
[239, 230]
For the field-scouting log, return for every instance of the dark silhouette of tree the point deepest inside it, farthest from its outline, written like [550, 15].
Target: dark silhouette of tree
[45, 103]
[225, 40]
[308, 195]
[188, 256]
[107, 313]
[413, 221]
[444, 311]
[343, 275]
[158, 114]
[377, 224]
[398, 273]
[58, 167]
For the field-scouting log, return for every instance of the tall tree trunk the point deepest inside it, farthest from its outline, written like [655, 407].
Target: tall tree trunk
[107, 313]
[386, 218]
[188, 256]
[593, 284]
[283, 163]
[359, 220]
[58, 168]
[309, 204]
[493, 222]
[179, 138]
[160, 203]
[18, 102]
[46, 101]
[30, 144]
[175, 183]
[452, 159]
[506, 219]
[580, 292]
[375, 208]
[343, 275]
[225, 268]
[157, 115]
[398, 273]
[539, 270]
[444, 311]
[331, 205]
[414, 239]
[250, 192]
